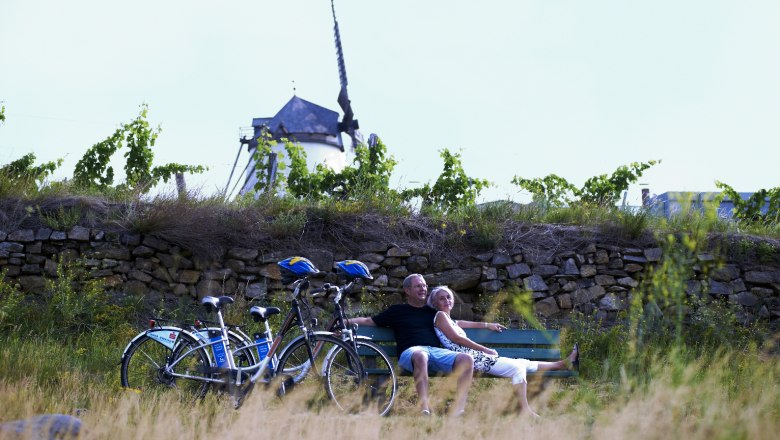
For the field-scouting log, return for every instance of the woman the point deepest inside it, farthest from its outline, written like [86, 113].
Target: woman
[486, 360]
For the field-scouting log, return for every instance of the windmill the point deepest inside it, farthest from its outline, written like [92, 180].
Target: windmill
[316, 128]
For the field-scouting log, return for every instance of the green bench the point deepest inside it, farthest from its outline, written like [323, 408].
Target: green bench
[535, 345]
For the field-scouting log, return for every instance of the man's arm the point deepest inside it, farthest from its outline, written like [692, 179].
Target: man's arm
[365, 321]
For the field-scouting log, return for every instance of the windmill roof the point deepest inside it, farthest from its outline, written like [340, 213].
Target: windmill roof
[300, 116]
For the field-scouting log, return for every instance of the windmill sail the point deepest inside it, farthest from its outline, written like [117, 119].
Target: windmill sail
[348, 123]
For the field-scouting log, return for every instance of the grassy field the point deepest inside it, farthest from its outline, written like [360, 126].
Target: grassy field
[669, 393]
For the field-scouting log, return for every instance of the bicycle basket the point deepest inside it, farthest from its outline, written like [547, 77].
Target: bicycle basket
[353, 269]
[294, 268]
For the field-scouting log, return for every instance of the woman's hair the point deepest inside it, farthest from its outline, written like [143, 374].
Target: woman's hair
[435, 292]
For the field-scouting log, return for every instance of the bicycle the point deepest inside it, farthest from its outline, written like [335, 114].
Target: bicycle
[187, 356]
[156, 345]
[380, 383]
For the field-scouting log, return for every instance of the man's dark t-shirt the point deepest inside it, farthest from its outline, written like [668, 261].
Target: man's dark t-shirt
[411, 325]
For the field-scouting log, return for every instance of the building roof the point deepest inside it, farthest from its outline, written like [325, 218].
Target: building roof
[300, 116]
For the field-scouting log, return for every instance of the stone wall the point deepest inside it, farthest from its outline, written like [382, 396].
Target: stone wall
[595, 279]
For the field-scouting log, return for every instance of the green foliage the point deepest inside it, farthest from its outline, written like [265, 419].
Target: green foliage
[93, 169]
[749, 211]
[61, 219]
[602, 190]
[605, 190]
[266, 183]
[452, 189]
[22, 177]
[2, 113]
[550, 191]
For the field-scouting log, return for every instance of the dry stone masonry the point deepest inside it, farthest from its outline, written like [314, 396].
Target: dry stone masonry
[596, 280]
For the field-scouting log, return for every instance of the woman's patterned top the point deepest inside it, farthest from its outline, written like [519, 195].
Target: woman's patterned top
[482, 361]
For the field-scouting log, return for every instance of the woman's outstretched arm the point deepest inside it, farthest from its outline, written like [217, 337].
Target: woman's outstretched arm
[443, 323]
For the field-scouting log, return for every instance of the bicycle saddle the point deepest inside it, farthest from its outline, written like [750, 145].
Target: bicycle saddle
[262, 313]
[213, 304]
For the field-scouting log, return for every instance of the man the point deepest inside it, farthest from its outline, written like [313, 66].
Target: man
[417, 344]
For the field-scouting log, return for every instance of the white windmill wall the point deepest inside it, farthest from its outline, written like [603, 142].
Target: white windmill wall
[316, 153]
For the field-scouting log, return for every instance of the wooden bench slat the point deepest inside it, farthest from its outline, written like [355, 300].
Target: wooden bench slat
[540, 345]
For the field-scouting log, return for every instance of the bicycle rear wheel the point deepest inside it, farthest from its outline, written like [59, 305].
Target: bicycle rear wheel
[334, 370]
[379, 385]
[144, 367]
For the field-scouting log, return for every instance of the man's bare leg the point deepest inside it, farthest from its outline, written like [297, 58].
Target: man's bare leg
[420, 364]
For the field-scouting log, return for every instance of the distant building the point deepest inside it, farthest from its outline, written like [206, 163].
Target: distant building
[674, 202]
[315, 127]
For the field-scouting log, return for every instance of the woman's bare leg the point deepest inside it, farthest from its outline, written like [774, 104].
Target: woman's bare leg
[522, 395]
[562, 364]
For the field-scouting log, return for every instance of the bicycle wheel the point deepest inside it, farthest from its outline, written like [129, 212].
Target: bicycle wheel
[144, 367]
[379, 385]
[336, 372]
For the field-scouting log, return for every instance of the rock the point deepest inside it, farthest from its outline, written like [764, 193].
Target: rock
[718, 288]
[155, 243]
[189, 276]
[762, 277]
[634, 259]
[564, 301]
[32, 283]
[43, 234]
[58, 236]
[373, 247]
[535, 283]
[371, 258]
[627, 282]
[546, 307]
[545, 270]
[746, 299]
[615, 263]
[136, 288]
[417, 264]
[398, 272]
[490, 286]
[605, 280]
[239, 253]
[456, 279]
[140, 276]
[726, 273]
[381, 281]
[601, 257]
[44, 426]
[611, 302]
[570, 267]
[209, 287]
[588, 270]
[78, 233]
[633, 268]
[113, 253]
[518, 270]
[489, 273]
[501, 259]
[653, 254]
[22, 235]
[398, 252]
[143, 251]
[217, 274]
[257, 290]
[237, 266]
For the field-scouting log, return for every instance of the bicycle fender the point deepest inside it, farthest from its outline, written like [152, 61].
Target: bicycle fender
[166, 335]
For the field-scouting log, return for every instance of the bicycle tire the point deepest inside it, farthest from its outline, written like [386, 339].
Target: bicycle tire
[336, 379]
[144, 362]
[379, 385]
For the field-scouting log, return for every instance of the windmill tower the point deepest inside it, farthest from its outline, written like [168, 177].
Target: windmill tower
[317, 129]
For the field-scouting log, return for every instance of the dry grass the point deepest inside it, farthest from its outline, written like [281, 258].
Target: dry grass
[697, 401]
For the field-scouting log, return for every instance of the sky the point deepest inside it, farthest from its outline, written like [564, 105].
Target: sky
[520, 88]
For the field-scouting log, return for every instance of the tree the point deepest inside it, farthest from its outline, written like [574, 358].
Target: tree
[452, 189]
[93, 169]
[749, 211]
[601, 190]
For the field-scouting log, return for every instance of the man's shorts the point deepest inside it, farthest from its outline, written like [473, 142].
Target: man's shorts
[439, 359]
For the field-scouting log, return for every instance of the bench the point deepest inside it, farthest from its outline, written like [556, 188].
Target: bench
[535, 345]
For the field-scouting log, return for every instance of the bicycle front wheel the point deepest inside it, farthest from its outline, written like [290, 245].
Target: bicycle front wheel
[379, 385]
[333, 369]
[145, 367]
